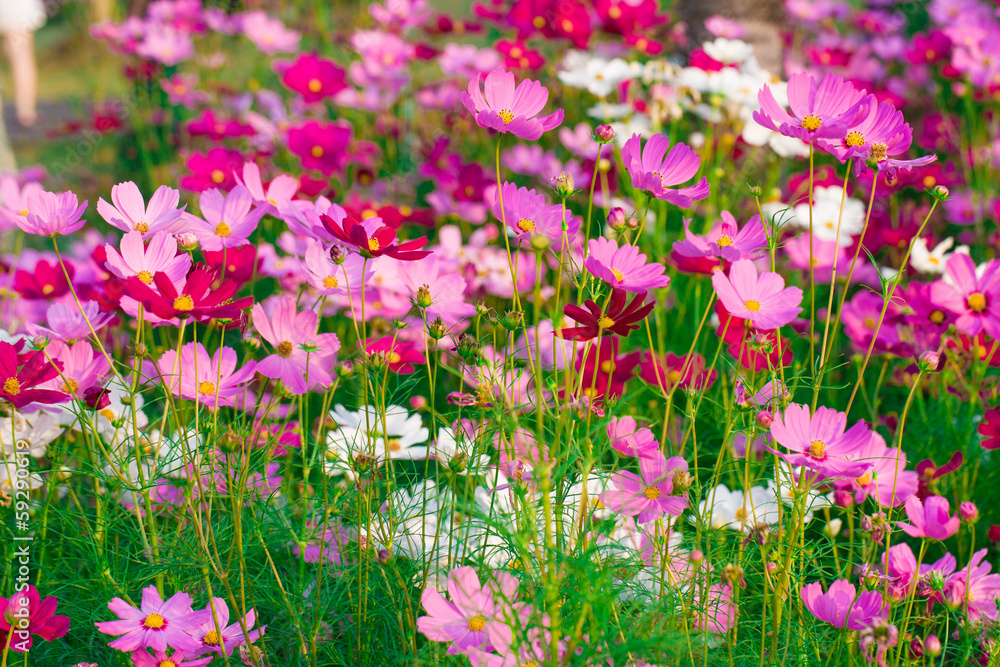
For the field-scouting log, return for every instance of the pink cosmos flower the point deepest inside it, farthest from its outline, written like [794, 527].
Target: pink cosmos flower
[649, 495]
[229, 220]
[627, 438]
[726, 240]
[979, 590]
[143, 658]
[14, 200]
[156, 624]
[974, 298]
[25, 614]
[212, 380]
[145, 261]
[763, 299]
[820, 109]
[930, 520]
[269, 34]
[435, 279]
[279, 192]
[180, 90]
[328, 278]
[820, 441]
[51, 214]
[67, 322]
[653, 170]
[82, 367]
[527, 214]
[312, 77]
[302, 357]
[625, 267]
[505, 108]
[130, 212]
[885, 479]
[476, 616]
[232, 635]
[841, 606]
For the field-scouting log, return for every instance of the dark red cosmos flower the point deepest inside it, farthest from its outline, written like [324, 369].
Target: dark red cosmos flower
[620, 318]
[40, 615]
[928, 472]
[45, 281]
[676, 371]
[195, 298]
[990, 429]
[382, 240]
[34, 370]
[400, 355]
[604, 372]
[239, 262]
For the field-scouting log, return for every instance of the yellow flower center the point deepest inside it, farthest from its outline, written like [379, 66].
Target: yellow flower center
[617, 274]
[373, 245]
[23, 211]
[315, 85]
[526, 225]
[615, 12]
[878, 152]
[207, 388]
[70, 386]
[505, 115]
[222, 229]
[393, 357]
[811, 122]
[330, 281]
[183, 303]
[167, 663]
[817, 449]
[869, 322]
[976, 302]
[211, 638]
[652, 492]
[285, 348]
[724, 241]
[864, 480]
[752, 305]
[673, 376]
[145, 276]
[740, 515]
[606, 322]
[395, 445]
[317, 151]
[153, 622]
[477, 623]
[936, 316]
[12, 386]
[48, 289]
[854, 139]
[218, 175]
[142, 227]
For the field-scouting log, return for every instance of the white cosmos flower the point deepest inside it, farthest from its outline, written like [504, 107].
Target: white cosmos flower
[599, 76]
[728, 51]
[455, 449]
[736, 511]
[362, 434]
[37, 430]
[826, 212]
[933, 261]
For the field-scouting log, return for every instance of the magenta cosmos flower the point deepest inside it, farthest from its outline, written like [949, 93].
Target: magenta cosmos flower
[625, 267]
[213, 381]
[321, 146]
[39, 614]
[654, 170]
[726, 240]
[650, 494]
[629, 439]
[978, 588]
[156, 624]
[502, 107]
[51, 214]
[302, 358]
[131, 214]
[974, 298]
[476, 616]
[930, 520]
[160, 658]
[528, 215]
[820, 441]
[229, 219]
[841, 606]
[763, 299]
[232, 635]
[313, 78]
[819, 109]
[145, 261]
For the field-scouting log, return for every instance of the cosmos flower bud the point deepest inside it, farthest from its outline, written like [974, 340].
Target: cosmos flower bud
[734, 575]
[39, 342]
[564, 185]
[832, 529]
[251, 655]
[772, 567]
[141, 350]
[953, 593]
[423, 299]
[467, 347]
[932, 646]
[764, 418]
[929, 361]
[604, 134]
[96, 398]
[338, 254]
[969, 512]
[540, 243]
[186, 241]
[696, 556]
[437, 329]
[935, 580]
[617, 218]
[755, 190]
[345, 369]
[940, 192]
[632, 222]
[418, 402]
[384, 556]
[512, 320]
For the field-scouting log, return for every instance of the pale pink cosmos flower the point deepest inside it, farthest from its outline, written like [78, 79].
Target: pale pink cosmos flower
[329, 278]
[67, 322]
[649, 495]
[229, 219]
[181, 90]
[624, 267]
[145, 261]
[841, 606]
[232, 635]
[885, 478]
[131, 214]
[979, 589]
[156, 624]
[973, 297]
[269, 34]
[476, 617]
[279, 192]
[627, 438]
[82, 367]
[820, 441]
[726, 240]
[930, 520]
[159, 658]
[212, 380]
[14, 200]
[653, 170]
[505, 108]
[51, 214]
[763, 299]
[302, 358]
[436, 279]
[820, 109]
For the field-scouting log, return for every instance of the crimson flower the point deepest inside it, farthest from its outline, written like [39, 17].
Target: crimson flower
[34, 370]
[399, 355]
[990, 429]
[928, 471]
[195, 298]
[620, 318]
[45, 281]
[381, 240]
[25, 614]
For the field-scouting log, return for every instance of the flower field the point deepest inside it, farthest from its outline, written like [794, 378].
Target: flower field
[528, 333]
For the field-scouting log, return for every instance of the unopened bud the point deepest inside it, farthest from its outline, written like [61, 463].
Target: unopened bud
[564, 185]
[832, 529]
[97, 398]
[696, 556]
[929, 361]
[39, 342]
[940, 192]
[338, 254]
[512, 320]
[932, 646]
[141, 350]
[418, 402]
[345, 369]
[772, 567]
[755, 190]
[604, 134]
[764, 418]
[186, 241]
[632, 222]
[467, 346]
[969, 512]
[540, 243]
[617, 218]
[384, 556]
[437, 329]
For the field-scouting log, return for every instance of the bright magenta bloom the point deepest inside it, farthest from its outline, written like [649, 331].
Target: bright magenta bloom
[653, 170]
[505, 108]
[51, 214]
[529, 215]
[229, 219]
[726, 240]
[313, 78]
[19, 384]
[624, 267]
[650, 495]
[878, 133]
[979, 589]
[930, 520]
[476, 616]
[820, 441]
[627, 438]
[40, 615]
[143, 658]
[974, 298]
[763, 299]
[299, 352]
[232, 635]
[156, 624]
[214, 380]
[841, 606]
[820, 109]
[131, 214]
